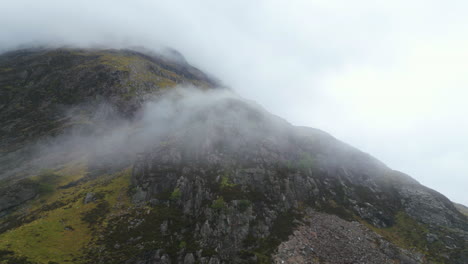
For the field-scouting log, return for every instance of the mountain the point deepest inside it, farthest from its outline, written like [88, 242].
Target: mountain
[121, 156]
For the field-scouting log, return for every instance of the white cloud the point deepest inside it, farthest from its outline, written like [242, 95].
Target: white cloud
[386, 76]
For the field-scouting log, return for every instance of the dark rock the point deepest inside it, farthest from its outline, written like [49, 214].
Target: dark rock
[230, 184]
[431, 237]
[189, 259]
[90, 197]
[17, 193]
[333, 240]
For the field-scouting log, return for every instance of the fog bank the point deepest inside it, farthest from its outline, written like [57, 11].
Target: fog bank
[386, 77]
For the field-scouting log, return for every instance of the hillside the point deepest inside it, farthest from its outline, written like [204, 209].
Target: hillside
[463, 209]
[119, 156]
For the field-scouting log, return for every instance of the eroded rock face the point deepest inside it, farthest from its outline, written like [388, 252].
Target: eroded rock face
[430, 207]
[44, 92]
[153, 257]
[325, 238]
[277, 170]
[224, 182]
[15, 194]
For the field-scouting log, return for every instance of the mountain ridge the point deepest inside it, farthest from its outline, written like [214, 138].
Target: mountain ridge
[156, 173]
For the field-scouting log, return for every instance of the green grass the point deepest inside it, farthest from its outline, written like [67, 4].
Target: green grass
[406, 232]
[47, 181]
[218, 204]
[409, 234]
[306, 162]
[176, 194]
[47, 239]
[6, 69]
[462, 209]
[303, 163]
[64, 225]
[225, 183]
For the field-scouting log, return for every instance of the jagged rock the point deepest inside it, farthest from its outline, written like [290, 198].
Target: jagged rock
[230, 183]
[214, 261]
[189, 259]
[431, 237]
[47, 91]
[90, 197]
[156, 257]
[284, 172]
[16, 194]
[333, 240]
[164, 227]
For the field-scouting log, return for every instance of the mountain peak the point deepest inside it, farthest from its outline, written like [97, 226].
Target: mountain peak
[37, 84]
[119, 156]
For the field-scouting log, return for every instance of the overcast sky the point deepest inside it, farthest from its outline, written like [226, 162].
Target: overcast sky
[389, 77]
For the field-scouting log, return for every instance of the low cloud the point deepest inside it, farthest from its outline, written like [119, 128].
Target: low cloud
[191, 118]
[386, 77]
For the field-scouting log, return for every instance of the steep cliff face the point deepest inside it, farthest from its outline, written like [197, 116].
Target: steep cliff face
[247, 178]
[194, 176]
[38, 86]
[46, 92]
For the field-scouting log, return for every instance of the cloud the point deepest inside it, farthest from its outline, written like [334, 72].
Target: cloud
[386, 77]
[200, 124]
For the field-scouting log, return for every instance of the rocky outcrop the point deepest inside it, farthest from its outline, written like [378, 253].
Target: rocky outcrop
[324, 238]
[219, 180]
[12, 195]
[276, 170]
[463, 209]
[45, 92]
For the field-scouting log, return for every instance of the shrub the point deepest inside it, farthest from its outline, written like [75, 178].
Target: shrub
[176, 194]
[307, 162]
[225, 183]
[218, 203]
[243, 205]
[182, 244]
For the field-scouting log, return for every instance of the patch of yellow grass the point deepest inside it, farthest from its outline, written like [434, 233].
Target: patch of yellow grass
[60, 234]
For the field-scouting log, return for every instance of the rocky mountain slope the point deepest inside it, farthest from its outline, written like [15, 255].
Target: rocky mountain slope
[119, 156]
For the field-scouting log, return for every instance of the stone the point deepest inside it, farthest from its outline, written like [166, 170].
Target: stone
[90, 197]
[189, 259]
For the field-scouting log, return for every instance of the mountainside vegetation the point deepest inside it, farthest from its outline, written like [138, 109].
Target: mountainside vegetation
[120, 156]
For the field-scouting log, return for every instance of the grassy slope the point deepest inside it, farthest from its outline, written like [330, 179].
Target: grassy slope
[409, 234]
[66, 77]
[64, 228]
[159, 76]
[61, 234]
[57, 226]
[463, 209]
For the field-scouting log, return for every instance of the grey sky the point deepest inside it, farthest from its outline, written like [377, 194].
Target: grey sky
[388, 77]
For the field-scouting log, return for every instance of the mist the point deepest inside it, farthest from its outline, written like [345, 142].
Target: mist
[190, 120]
[388, 78]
